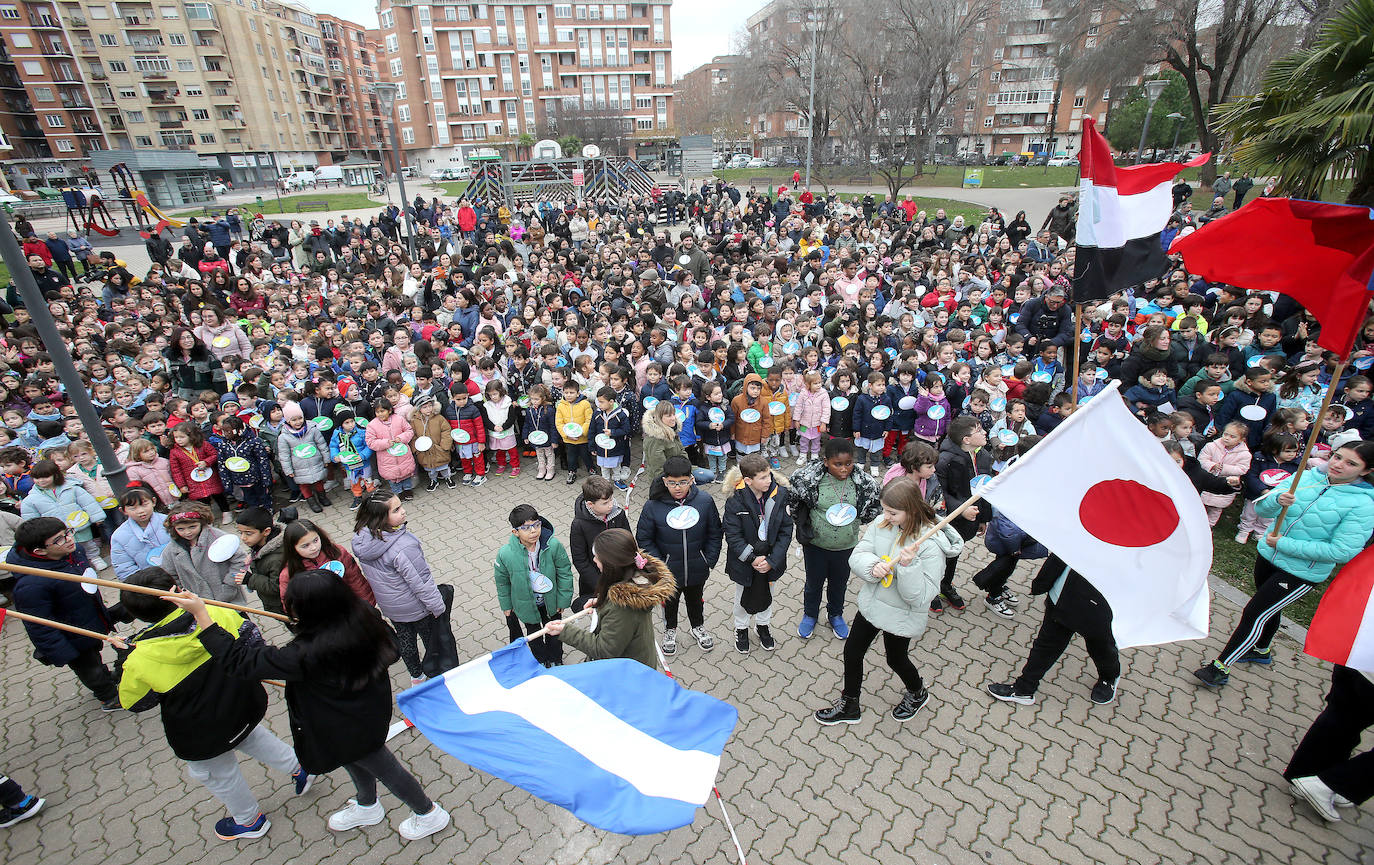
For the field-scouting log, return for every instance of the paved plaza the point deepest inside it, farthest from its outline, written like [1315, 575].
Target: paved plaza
[1169, 774]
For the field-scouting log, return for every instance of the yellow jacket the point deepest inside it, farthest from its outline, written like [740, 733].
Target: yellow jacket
[578, 412]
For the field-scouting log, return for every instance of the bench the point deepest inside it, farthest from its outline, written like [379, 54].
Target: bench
[312, 204]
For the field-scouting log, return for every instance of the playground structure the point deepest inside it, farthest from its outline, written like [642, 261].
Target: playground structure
[149, 219]
[514, 183]
[86, 212]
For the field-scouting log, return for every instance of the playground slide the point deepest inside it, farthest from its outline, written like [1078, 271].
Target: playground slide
[148, 208]
[108, 232]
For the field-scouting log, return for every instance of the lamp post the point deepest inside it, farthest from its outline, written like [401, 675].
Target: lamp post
[386, 98]
[1153, 88]
[1177, 118]
[813, 24]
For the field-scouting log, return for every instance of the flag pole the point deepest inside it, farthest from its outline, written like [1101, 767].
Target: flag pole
[125, 587]
[61, 626]
[1077, 344]
[544, 630]
[1311, 441]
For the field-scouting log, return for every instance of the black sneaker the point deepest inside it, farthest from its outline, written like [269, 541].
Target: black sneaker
[432, 485]
[294, 497]
[407, 495]
[936, 605]
[452, 482]
[356, 503]
[23, 811]
[742, 640]
[953, 599]
[314, 502]
[111, 705]
[1212, 676]
[911, 704]
[1104, 692]
[845, 711]
[766, 639]
[572, 478]
[1255, 656]
[1007, 693]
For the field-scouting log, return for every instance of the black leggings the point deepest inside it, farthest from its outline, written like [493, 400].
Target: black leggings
[862, 633]
[696, 607]
[221, 499]
[1328, 749]
[406, 632]
[382, 765]
[1275, 589]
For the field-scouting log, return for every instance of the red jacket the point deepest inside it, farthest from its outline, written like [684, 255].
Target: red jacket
[34, 246]
[352, 575]
[467, 218]
[181, 465]
[932, 299]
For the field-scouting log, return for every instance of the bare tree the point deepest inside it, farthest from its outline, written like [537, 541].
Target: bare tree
[604, 127]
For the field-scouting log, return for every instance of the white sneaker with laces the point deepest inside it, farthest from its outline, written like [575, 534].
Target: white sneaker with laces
[704, 638]
[1314, 791]
[801, 461]
[418, 826]
[99, 564]
[354, 815]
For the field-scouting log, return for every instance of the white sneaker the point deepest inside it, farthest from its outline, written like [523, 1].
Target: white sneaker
[704, 638]
[1314, 791]
[418, 826]
[355, 815]
[670, 642]
[876, 471]
[99, 564]
[801, 461]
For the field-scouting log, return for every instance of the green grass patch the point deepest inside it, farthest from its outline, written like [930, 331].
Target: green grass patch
[1235, 563]
[994, 176]
[292, 204]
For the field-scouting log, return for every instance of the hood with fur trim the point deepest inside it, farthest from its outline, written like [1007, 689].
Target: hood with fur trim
[644, 592]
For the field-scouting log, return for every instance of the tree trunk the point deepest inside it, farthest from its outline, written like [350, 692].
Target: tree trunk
[1362, 190]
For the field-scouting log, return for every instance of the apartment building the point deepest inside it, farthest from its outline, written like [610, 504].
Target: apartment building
[701, 97]
[253, 87]
[479, 75]
[47, 113]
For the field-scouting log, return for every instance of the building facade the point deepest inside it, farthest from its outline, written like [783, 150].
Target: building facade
[701, 97]
[253, 89]
[486, 76]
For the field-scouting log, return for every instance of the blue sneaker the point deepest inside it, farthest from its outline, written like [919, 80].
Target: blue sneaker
[838, 625]
[621, 485]
[1255, 656]
[807, 627]
[303, 781]
[775, 464]
[227, 830]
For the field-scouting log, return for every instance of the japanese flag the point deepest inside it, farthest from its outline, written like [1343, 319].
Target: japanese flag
[1103, 494]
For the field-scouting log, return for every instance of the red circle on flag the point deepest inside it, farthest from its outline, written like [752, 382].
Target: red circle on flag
[1127, 514]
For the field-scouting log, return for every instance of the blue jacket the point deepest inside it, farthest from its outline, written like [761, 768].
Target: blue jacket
[687, 421]
[902, 419]
[616, 424]
[357, 443]
[865, 424]
[1327, 526]
[1229, 409]
[541, 419]
[130, 546]
[219, 233]
[60, 601]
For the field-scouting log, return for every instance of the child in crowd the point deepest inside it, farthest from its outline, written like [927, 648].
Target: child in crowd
[432, 443]
[1277, 459]
[55, 495]
[539, 431]
[502, 421]
[470, 433]
[573, 418]
[348, 447]
[1226, 457]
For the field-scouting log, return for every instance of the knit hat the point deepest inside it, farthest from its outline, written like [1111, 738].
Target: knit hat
[291, 411]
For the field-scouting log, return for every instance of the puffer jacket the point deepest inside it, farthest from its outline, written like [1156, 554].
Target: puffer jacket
[264, 570]
[181, 464]
[625, 623]
[251, 448]
[395, 567]
[381, 435]
[1224, 463]
[750, 533]
[225, 340]
[440, 435]
[303, 469]
[689, 553]
[660, 443]
[586, 528]
[903, 607]
[63, 502]
[811, 409]
[1006, 538]
[194, 570]
[130, 545]
[1327, 526]
[60, 601]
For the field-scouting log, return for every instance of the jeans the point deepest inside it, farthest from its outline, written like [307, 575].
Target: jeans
[861, 636]
[1050, 643]
[257, 497]
[547, 649]
[95, 675]
[402, 485]
[828, 570]
[1275, 589]
[382, 765]
[406, 633]
[1326, 749]
[221, 776]
[696, 607]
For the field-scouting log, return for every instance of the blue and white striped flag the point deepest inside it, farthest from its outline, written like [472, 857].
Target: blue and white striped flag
[623, 747]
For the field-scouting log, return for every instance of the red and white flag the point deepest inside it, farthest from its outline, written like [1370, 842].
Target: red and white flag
[1121, 212]
[1102, 493]
[1342, 631]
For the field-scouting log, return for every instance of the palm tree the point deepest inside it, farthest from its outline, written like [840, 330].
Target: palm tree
[1312, 123]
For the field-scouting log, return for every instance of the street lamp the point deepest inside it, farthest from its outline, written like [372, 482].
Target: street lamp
[1177, 118]
[386, 97]
[813, 23]
[1152, 90]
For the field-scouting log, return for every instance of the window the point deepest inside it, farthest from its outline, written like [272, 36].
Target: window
[562, 10]
[186, 65]
[168, 13]
[396, 68]
[199, 12]
[33, 67]
[65, 145]
[400, 90]
[207, 138]
[387, 19]
[644, 124]
[1078, 102]
[997, 54]
[11, 12]
[42, 94]
[176, 38]
[195, 91]
[987, 122]
[403, 113]
[22, 40]
[450, 13]
[407, 135]
[55, 121]
[200, 114]
[118, 66]
[128, 93]
[392, 43]
[98, 12]
[134, 116]
[143, 140]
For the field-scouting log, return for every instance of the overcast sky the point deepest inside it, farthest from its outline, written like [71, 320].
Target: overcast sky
[697, 37]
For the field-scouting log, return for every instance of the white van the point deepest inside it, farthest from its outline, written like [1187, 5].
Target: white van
[297, 180]
[439, 175]
[327, 174]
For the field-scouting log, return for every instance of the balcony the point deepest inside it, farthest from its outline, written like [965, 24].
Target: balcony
[45, 22]
[171, 124]
[203, 23]
[139, 23]
[99, 76]
[160, 97]
[156, 73]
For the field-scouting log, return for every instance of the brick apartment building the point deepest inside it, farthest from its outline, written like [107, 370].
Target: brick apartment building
[252, 89]
[482, 76]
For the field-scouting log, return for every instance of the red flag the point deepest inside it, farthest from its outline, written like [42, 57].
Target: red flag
[1342, 631]
[1321, 255]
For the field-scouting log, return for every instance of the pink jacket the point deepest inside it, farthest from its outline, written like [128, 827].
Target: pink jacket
[812, 408]
[1223, 463]
[381, 434]
[156, 475]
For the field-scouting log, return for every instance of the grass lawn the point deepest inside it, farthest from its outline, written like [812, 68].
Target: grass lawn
[1236, 564]
[292, 204]
[994, 176]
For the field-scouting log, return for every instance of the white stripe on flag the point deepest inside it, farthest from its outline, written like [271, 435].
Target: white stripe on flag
[1107, 219]
[547, 702]
[1362, 647]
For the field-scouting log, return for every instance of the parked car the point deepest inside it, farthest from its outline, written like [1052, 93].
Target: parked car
[739, 160]
[409, 171]
[440, 175]
[716, 162]
[1064, 161]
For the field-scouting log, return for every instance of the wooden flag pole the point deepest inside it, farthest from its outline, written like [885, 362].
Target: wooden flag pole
[948, 518]
[124, 587]
[585, 611]
[61, 626]
[1077, 344]
[1311, 441]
